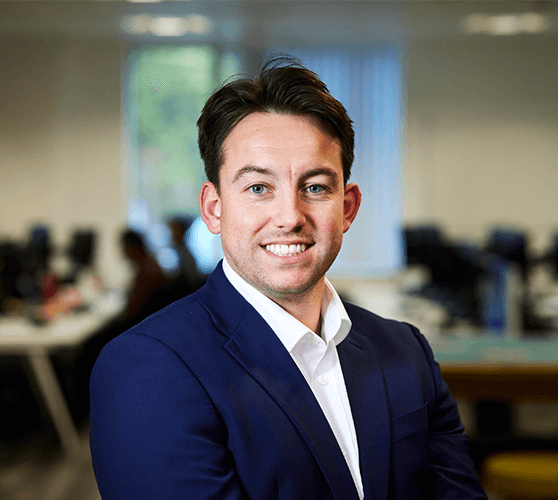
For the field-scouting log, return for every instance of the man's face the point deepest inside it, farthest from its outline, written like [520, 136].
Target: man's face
[282, 207]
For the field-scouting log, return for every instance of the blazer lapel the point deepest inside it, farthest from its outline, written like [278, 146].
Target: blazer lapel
[256, 347]
[369, 405]
[261, 353]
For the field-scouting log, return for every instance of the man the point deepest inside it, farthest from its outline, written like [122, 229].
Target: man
[263, 384]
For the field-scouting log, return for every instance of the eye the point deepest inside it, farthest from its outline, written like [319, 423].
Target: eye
[258, 189]
[315, 189]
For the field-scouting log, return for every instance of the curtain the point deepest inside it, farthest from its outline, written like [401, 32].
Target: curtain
[370, 84]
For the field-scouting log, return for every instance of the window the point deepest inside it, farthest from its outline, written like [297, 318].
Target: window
[165, 88]
[370, 84]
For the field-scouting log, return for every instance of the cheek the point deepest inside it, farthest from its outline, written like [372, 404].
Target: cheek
[331, 228]
[331, 222]
[244, 221]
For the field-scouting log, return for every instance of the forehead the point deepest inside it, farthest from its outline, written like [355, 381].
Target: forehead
[275, 140]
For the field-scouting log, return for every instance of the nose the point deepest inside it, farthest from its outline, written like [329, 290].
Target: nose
[289, 212]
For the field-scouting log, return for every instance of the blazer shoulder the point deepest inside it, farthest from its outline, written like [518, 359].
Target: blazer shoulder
[178, 327]
[367, 322]
[394, 339]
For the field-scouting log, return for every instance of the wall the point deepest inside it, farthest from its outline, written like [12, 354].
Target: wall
[60, 158]
[482, 143]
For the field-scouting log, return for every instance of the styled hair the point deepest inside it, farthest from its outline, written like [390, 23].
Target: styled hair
[283, 86]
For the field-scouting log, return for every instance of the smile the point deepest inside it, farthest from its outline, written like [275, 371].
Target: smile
[286, 250]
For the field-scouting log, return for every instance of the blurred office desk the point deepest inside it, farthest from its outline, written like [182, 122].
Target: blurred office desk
[499, 368]
[21, 337]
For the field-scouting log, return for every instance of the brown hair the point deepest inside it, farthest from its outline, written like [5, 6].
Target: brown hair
[283, 85]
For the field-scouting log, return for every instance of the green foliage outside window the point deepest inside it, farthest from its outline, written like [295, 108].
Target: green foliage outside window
[167, 88]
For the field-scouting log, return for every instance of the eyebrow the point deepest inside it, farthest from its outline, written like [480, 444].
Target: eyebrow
[307, 175]
[328, 172]
[252, 168]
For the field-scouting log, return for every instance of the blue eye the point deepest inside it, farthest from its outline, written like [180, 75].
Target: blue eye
[257, 189]
[315, 189]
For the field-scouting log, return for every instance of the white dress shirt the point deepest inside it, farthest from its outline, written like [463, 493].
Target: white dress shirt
[316, 358]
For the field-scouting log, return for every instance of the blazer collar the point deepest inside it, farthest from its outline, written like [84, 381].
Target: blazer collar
[256, 347]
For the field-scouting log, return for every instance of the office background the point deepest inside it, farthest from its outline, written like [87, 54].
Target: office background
[480, 129]
[478, 144]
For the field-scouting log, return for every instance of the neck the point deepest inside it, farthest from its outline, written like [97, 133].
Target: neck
[305, 306]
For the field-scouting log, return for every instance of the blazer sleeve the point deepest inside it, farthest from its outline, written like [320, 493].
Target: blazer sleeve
[451, 472]
[154, 432]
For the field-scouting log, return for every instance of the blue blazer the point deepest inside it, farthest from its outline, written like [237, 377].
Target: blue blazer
[202, 401]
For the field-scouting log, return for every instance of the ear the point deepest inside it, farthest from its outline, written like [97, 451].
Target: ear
[351, 203]
[210, 207]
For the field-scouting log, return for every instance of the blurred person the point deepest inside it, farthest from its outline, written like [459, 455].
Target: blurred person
[149, 279]
[188, 272]
[263, 384]
[146, 294]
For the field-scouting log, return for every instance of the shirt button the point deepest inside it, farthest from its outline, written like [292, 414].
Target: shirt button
[323, 380]
[344, 452]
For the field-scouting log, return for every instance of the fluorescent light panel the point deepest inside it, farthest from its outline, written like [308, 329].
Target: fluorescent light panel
[144, 24]
[506, 24]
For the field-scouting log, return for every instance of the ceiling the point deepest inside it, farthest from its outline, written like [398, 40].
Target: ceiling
[266, 23]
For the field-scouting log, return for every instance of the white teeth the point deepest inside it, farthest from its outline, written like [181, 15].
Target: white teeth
[286, 250]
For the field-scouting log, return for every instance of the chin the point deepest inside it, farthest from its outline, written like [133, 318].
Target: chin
[288, 289]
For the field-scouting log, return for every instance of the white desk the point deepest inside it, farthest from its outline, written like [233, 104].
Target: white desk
[20, 337]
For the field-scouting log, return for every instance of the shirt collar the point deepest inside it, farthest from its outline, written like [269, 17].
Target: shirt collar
[336, 323]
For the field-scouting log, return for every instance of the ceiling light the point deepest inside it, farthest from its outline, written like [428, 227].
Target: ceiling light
[534, 23]
[168, 26]
[136, 25]
[505, 24]
[475, 23]
[199, 24]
